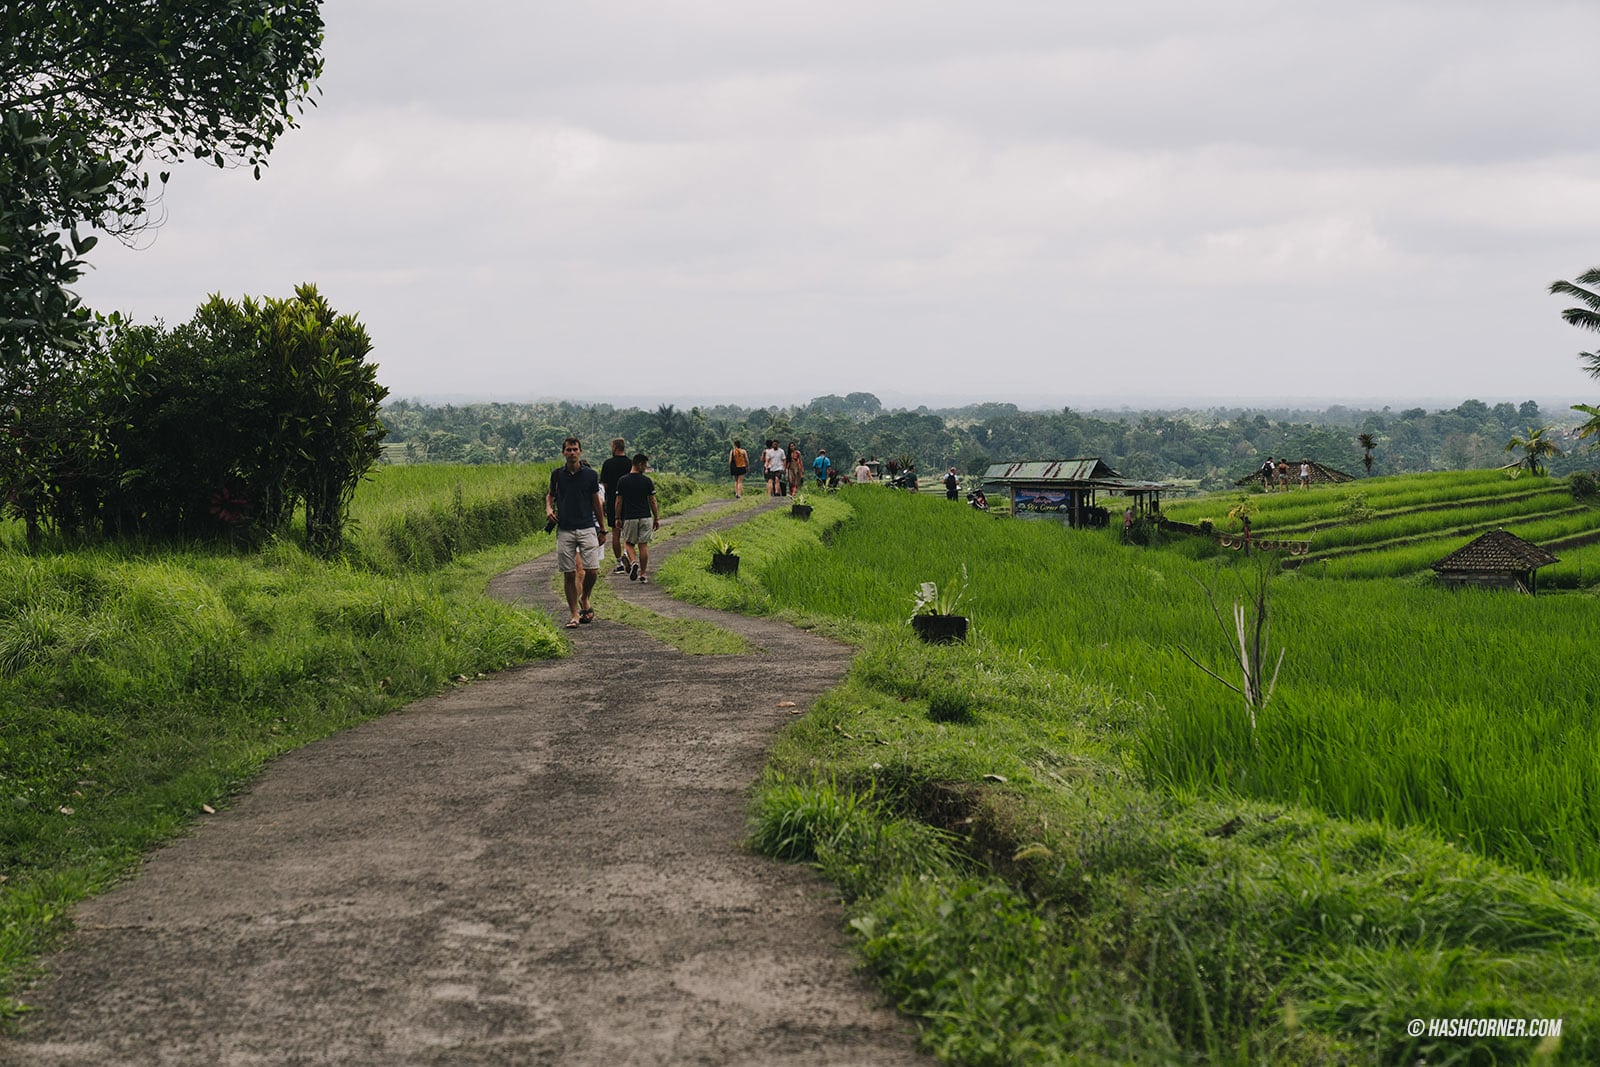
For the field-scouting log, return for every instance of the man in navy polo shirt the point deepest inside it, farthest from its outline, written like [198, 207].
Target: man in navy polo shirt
[573, 504]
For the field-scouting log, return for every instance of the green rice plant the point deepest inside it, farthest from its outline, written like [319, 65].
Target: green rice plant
[1166, 887]
[1072, 600]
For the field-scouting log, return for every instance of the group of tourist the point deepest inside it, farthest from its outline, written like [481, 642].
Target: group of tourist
[1275, 474]
[581, 503]
[784, 468]
[618, 502]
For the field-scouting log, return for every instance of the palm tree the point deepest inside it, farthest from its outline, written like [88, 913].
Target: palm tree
[1367, 442]
[1585, 318]
[1535, 447]
[670, 422]
[1592, 427]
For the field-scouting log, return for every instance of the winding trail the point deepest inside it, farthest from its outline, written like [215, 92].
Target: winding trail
[544, 866]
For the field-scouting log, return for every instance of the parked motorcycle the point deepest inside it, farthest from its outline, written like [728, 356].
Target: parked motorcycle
[904, 480]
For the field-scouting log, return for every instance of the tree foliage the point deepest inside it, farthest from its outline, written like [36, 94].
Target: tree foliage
[1535, 447]
[220, 427]
[1207, 448]
[1586, 317]
[94, 96]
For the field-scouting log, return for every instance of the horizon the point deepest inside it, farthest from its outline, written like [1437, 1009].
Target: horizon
[896, 401]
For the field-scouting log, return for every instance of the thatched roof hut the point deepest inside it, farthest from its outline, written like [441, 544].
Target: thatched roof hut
[1496, 560]
[1321, 474]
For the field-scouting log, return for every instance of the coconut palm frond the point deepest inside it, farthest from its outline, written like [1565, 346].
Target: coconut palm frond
[1592, 427]
[1591, 363]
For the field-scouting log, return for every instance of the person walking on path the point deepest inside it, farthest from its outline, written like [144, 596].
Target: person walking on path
[863, 472]
[822, 465]
[1305, 474]
[794, 468]
[772, 465]
[738, 466]
[952, 485]
[573, 504]
[611, 471]
[640, 516]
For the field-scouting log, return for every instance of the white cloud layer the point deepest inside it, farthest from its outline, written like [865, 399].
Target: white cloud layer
[1043, 203]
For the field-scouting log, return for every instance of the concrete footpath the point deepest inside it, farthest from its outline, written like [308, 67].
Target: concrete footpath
[543, 866]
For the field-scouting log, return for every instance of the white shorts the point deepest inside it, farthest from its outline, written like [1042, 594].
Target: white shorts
[568, 545]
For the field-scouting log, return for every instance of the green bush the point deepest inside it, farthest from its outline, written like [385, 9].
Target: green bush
[218, 428]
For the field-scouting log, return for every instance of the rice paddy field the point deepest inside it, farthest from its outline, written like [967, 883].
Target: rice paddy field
[1400, 526]
[1064, 842]
[1473, 713]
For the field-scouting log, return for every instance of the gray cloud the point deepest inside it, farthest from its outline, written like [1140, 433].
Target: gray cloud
[1006, 200]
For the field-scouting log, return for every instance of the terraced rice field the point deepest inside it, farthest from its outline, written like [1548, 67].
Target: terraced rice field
[1399, 527]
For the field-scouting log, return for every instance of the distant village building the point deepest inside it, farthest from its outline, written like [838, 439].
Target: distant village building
[1497, 560]
[1067, 490]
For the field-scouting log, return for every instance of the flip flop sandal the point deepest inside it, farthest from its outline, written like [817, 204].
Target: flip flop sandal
[586, 617]
[572, 624]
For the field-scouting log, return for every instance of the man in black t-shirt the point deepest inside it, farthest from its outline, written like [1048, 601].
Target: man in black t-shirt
[611, 472]
[641, 517]
[573, 504]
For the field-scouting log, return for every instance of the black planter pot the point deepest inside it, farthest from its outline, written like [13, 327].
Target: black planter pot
[940, 629]
[724, 563]
[800, 511]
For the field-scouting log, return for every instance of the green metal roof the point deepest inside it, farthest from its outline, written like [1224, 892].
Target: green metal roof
[1052, 470]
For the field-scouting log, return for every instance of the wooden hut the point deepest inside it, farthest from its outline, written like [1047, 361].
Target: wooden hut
[1067, 490]
[1496, 560]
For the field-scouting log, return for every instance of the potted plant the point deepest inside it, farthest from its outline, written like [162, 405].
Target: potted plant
[724, 555]
[933, 615]
[798, 508]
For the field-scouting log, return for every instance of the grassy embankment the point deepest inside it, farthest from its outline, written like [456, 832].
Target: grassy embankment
[1063, 841]
[140, 685]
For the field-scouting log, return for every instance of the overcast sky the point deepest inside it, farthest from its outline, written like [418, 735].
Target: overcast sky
[1052, 202]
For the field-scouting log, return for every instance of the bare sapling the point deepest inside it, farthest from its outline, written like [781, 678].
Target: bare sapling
[1251, 627]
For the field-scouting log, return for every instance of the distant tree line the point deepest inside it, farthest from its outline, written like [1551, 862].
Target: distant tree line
[1204, 448]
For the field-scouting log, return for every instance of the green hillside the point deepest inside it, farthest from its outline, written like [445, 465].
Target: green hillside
[1400, 526]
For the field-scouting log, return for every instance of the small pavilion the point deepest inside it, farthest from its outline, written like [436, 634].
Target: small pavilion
[1067, 490]
[1321, 474]
[1496, 560]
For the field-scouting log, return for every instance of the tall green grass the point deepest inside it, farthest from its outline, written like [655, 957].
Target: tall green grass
[1166, 915]
[421, 516]
[1479, 710]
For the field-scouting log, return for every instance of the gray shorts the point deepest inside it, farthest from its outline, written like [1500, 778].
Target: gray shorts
[638, 531]
[570, 542]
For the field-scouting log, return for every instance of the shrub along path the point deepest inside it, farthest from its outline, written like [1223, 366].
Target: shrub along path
[542, 866]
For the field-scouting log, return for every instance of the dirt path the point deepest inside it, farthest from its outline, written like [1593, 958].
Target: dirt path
[541, 867]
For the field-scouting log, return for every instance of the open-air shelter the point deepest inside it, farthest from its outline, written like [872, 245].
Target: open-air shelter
[1496, 560]
[1068, 490]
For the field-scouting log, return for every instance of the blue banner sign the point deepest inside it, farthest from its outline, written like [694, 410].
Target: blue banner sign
[1045, 502]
